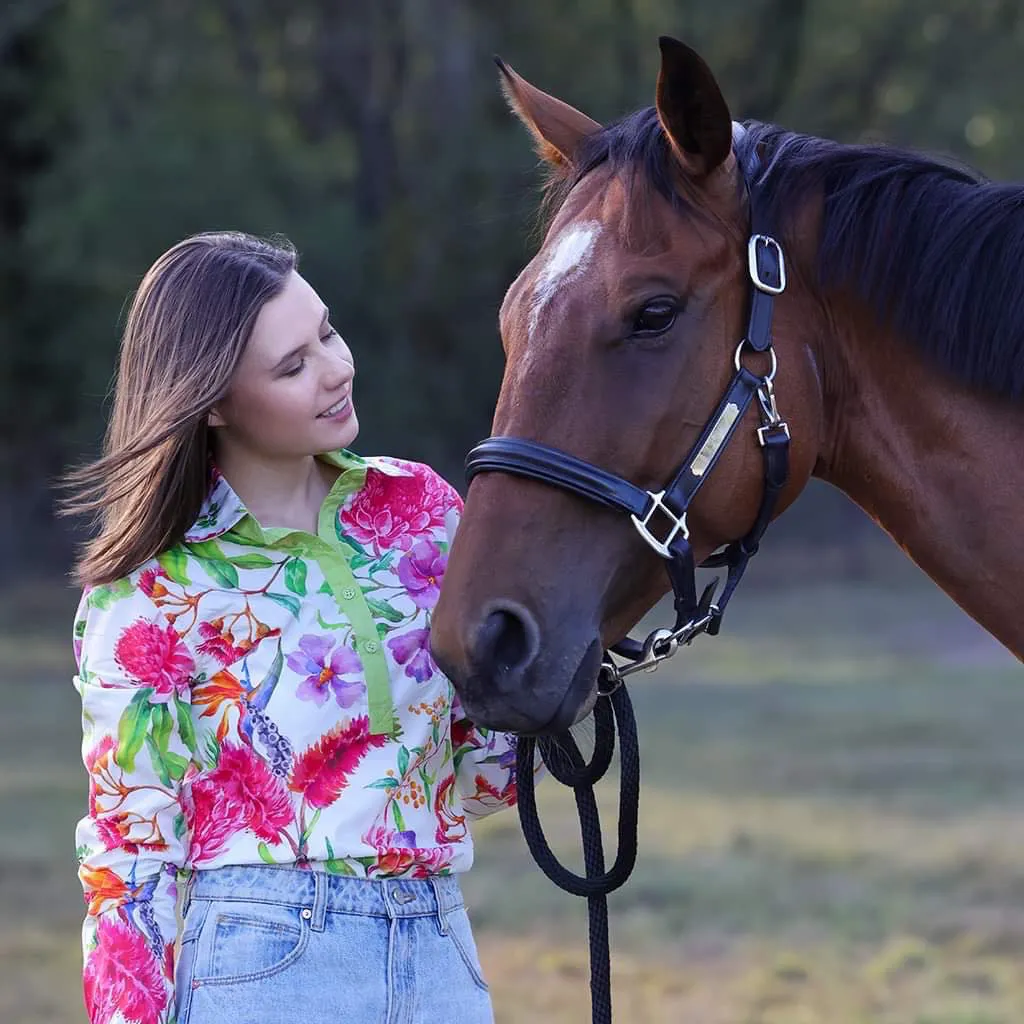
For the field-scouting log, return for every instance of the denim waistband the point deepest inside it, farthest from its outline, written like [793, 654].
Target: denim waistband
[325, 893]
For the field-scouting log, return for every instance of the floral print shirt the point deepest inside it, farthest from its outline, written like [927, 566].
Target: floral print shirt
[267, 696]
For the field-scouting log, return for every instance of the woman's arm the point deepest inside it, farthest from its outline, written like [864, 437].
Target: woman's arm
[133, 678]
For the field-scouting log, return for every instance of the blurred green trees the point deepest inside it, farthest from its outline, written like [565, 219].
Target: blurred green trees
[374, 135]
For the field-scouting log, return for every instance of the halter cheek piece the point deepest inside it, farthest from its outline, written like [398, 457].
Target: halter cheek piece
[647, 509]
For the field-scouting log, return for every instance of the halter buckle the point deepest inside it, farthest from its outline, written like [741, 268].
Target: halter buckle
[775, 249]
[679, 527]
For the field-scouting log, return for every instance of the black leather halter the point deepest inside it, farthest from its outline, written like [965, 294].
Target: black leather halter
[767, 271]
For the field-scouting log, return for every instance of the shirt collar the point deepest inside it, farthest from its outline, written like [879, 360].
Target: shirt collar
[223, 509]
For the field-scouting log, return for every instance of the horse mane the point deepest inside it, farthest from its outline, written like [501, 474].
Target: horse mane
[935, 249]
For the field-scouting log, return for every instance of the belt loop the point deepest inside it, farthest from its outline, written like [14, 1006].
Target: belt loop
[442, 908]
[319, 917]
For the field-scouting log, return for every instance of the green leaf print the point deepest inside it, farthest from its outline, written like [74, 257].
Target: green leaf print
[163, 725]
[132, 729]
[335, 865]
[286, 601]
[212, 750]
[174, 562]
[331, 625]
[179, 825]
[359, 560]
[251, 561]
[308, 830]
[403, 760]
[384, 610]
[104, 596]
[156, 755]
[387, 783]
[265, 855]
[208, 549]
[399, 820]
[295, 576]
[176, 765]
[428, 781]
[223, 572]
[185, 726]
[352, 543]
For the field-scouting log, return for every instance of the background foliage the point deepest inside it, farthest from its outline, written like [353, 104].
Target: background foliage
[374, 135]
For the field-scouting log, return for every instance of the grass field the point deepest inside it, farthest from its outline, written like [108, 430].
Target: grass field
[832, 826]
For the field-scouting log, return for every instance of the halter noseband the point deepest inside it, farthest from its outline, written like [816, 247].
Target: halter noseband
[767, 272]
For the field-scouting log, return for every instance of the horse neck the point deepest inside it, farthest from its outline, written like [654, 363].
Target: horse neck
[935, 463]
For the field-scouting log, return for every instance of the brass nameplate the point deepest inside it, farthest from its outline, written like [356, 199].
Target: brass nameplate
[715, 440]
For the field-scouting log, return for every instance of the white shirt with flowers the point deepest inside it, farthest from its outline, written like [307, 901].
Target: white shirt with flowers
[268, 696]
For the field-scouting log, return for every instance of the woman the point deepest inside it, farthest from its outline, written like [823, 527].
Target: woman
[261, 713]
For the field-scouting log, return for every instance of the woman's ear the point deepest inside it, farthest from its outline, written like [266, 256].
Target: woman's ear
[214, 418]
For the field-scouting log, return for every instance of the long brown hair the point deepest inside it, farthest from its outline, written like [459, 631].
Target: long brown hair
[188, 325]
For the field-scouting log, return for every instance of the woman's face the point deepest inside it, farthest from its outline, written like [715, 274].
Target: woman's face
[291, 395]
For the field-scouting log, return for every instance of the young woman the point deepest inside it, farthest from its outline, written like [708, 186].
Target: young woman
[262, 717]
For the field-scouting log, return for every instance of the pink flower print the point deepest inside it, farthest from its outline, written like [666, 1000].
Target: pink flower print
[219, 643]
[155, 656]
[321, 772]
[240, 793]
[324, 666]
[249, 784]
[149, 582]
[398, 854]
[122, 974]
[380, 837]
[412, 650]
[390, 511]
[421, 572]
[213, 819]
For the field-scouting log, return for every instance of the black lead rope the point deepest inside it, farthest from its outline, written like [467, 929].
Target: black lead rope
[563, 759]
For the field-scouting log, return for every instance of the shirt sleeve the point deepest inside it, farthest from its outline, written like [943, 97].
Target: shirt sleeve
[485, 760]
[133, 677]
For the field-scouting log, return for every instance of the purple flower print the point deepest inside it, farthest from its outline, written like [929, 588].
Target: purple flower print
[412, 650]
[421, 572]
[324, 668]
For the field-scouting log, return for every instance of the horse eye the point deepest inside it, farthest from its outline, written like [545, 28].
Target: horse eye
[655, 318]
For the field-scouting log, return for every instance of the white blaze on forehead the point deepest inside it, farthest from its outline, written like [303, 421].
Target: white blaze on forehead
[569, 256]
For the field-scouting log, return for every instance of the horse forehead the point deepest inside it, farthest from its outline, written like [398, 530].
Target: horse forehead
[558, 266]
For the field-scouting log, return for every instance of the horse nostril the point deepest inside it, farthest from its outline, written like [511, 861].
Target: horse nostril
[507, 642]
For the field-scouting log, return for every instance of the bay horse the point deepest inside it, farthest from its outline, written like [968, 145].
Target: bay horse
[895, 350]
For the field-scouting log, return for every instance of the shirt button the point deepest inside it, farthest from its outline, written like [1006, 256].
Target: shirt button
[371, 647]
[348, 593]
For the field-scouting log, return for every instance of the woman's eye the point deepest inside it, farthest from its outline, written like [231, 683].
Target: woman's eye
[295, 370]
[329, 336]
[655, 318]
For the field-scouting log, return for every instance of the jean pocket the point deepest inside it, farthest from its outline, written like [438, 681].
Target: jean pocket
[461, 933]
[248, 941]
[184, 968]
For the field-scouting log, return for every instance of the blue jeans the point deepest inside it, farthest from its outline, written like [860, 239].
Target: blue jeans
[275, 945]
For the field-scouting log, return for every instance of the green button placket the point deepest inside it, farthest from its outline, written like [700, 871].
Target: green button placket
[352, 603]
[348, 595]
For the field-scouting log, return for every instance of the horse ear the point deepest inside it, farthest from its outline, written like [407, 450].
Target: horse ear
[557, 128]
[691, 109]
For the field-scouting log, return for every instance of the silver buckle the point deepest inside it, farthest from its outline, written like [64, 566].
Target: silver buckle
[755, 275]
[678, 525]
[762, 432]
